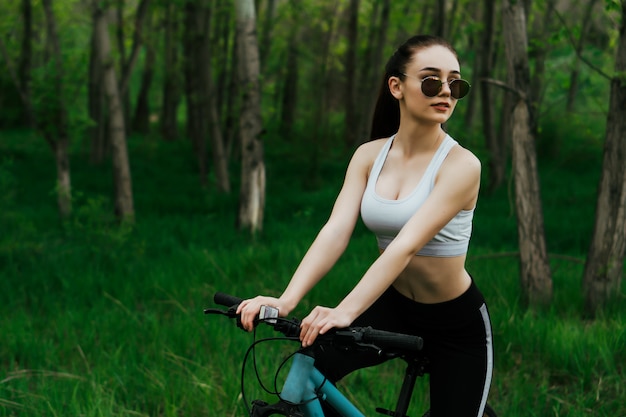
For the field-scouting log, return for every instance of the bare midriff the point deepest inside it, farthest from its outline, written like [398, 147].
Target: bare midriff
[432, 280]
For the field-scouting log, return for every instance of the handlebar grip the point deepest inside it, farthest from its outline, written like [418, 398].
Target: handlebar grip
[383, 339]
[226, 299]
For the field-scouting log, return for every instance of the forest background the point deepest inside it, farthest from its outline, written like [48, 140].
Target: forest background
[121, 149]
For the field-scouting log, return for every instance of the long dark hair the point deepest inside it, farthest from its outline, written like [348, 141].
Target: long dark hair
[386, 118]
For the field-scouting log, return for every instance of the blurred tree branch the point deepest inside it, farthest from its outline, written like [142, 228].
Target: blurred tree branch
[578, 50]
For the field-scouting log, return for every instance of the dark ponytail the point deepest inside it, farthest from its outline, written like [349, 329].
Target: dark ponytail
[386, 119]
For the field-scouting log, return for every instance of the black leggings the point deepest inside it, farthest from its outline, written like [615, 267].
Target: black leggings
[457, 340]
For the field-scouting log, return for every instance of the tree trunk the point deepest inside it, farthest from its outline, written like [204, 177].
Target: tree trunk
[196, 64]
[128, 64]
[470, 102]
[53, 122]
[290, 83]
[497, 154]
[221, 34]
[456, 20]
[96, 107]
[573, 80]
[605, 260]
[227, 96]
[25, 73]
[252, 193]
[317, 137]
[232, 105]
[351, 122]
[542, 29]
[425, 19]
[171, 79]
[121, 50]
[373, 71]
[535, 275]
[124, 207]
[220, 159]
[56, 127]
[266, 33]
[64, 181]
[290, 89]
[440, 21]
[141, 120]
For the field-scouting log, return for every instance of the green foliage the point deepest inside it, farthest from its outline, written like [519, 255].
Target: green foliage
[612, 6]
[103, 321]
[18, 232]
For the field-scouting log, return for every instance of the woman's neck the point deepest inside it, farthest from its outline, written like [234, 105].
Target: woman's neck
[419, 139]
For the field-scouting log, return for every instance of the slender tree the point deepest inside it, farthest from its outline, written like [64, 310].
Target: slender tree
[495, 145]
[222, 31]
[252, 193]
[605, 260]
[582, 38]
[51, 121]
[124, 205]
[220, 159]
[439, 23]
[426, 22]
[171, 74]
[535, 275]
[542, 27]
[290, 83]
[473, 39]
[351, 120]
[25, 64]
[128, 64]
[120, 39]
[323, 30]
[372, 71]
[266, 32]
[56, 129]
[141, 117]
[232, 103]
[96, 102]
[204, 119]
[197, 62]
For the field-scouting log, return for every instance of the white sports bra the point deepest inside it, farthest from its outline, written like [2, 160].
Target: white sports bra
[386, 217]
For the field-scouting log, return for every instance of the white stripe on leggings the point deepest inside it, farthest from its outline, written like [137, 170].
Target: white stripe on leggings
[486, 321]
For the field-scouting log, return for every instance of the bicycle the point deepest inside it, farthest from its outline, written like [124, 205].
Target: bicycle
[305, 386]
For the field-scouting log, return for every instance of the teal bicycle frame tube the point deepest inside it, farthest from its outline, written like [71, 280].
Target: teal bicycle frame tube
[305, 385]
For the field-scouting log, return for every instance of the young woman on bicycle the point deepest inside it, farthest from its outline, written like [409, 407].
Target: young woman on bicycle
[416, 189]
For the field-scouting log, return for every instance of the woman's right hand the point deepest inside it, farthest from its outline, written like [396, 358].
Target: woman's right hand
[249, 309]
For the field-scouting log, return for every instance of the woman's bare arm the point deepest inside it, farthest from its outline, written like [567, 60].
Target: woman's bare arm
[456, 188]
[329, 244]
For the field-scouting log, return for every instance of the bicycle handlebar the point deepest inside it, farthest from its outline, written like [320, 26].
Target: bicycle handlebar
[226, 300]
[380, 339]
[383, 338]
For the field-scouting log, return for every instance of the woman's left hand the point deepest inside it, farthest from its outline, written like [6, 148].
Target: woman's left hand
[321, 320]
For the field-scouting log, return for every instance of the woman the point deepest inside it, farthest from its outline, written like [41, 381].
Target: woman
[416, 191]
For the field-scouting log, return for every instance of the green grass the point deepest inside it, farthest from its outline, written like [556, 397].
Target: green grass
[102, 321]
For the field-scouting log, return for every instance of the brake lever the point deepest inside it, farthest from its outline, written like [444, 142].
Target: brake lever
[215, 311]
[352, 338]
[230, 313]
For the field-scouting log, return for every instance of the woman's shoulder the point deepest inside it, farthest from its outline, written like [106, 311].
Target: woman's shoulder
[371, 148]
[459, 152]
[462, 161]
[365, 154]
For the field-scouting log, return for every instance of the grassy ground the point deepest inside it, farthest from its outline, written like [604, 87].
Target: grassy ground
[102, 321]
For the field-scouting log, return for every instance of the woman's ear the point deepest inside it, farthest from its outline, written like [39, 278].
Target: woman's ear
[395, 87]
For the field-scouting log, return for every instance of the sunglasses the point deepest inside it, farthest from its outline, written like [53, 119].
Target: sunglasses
[432, 85]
